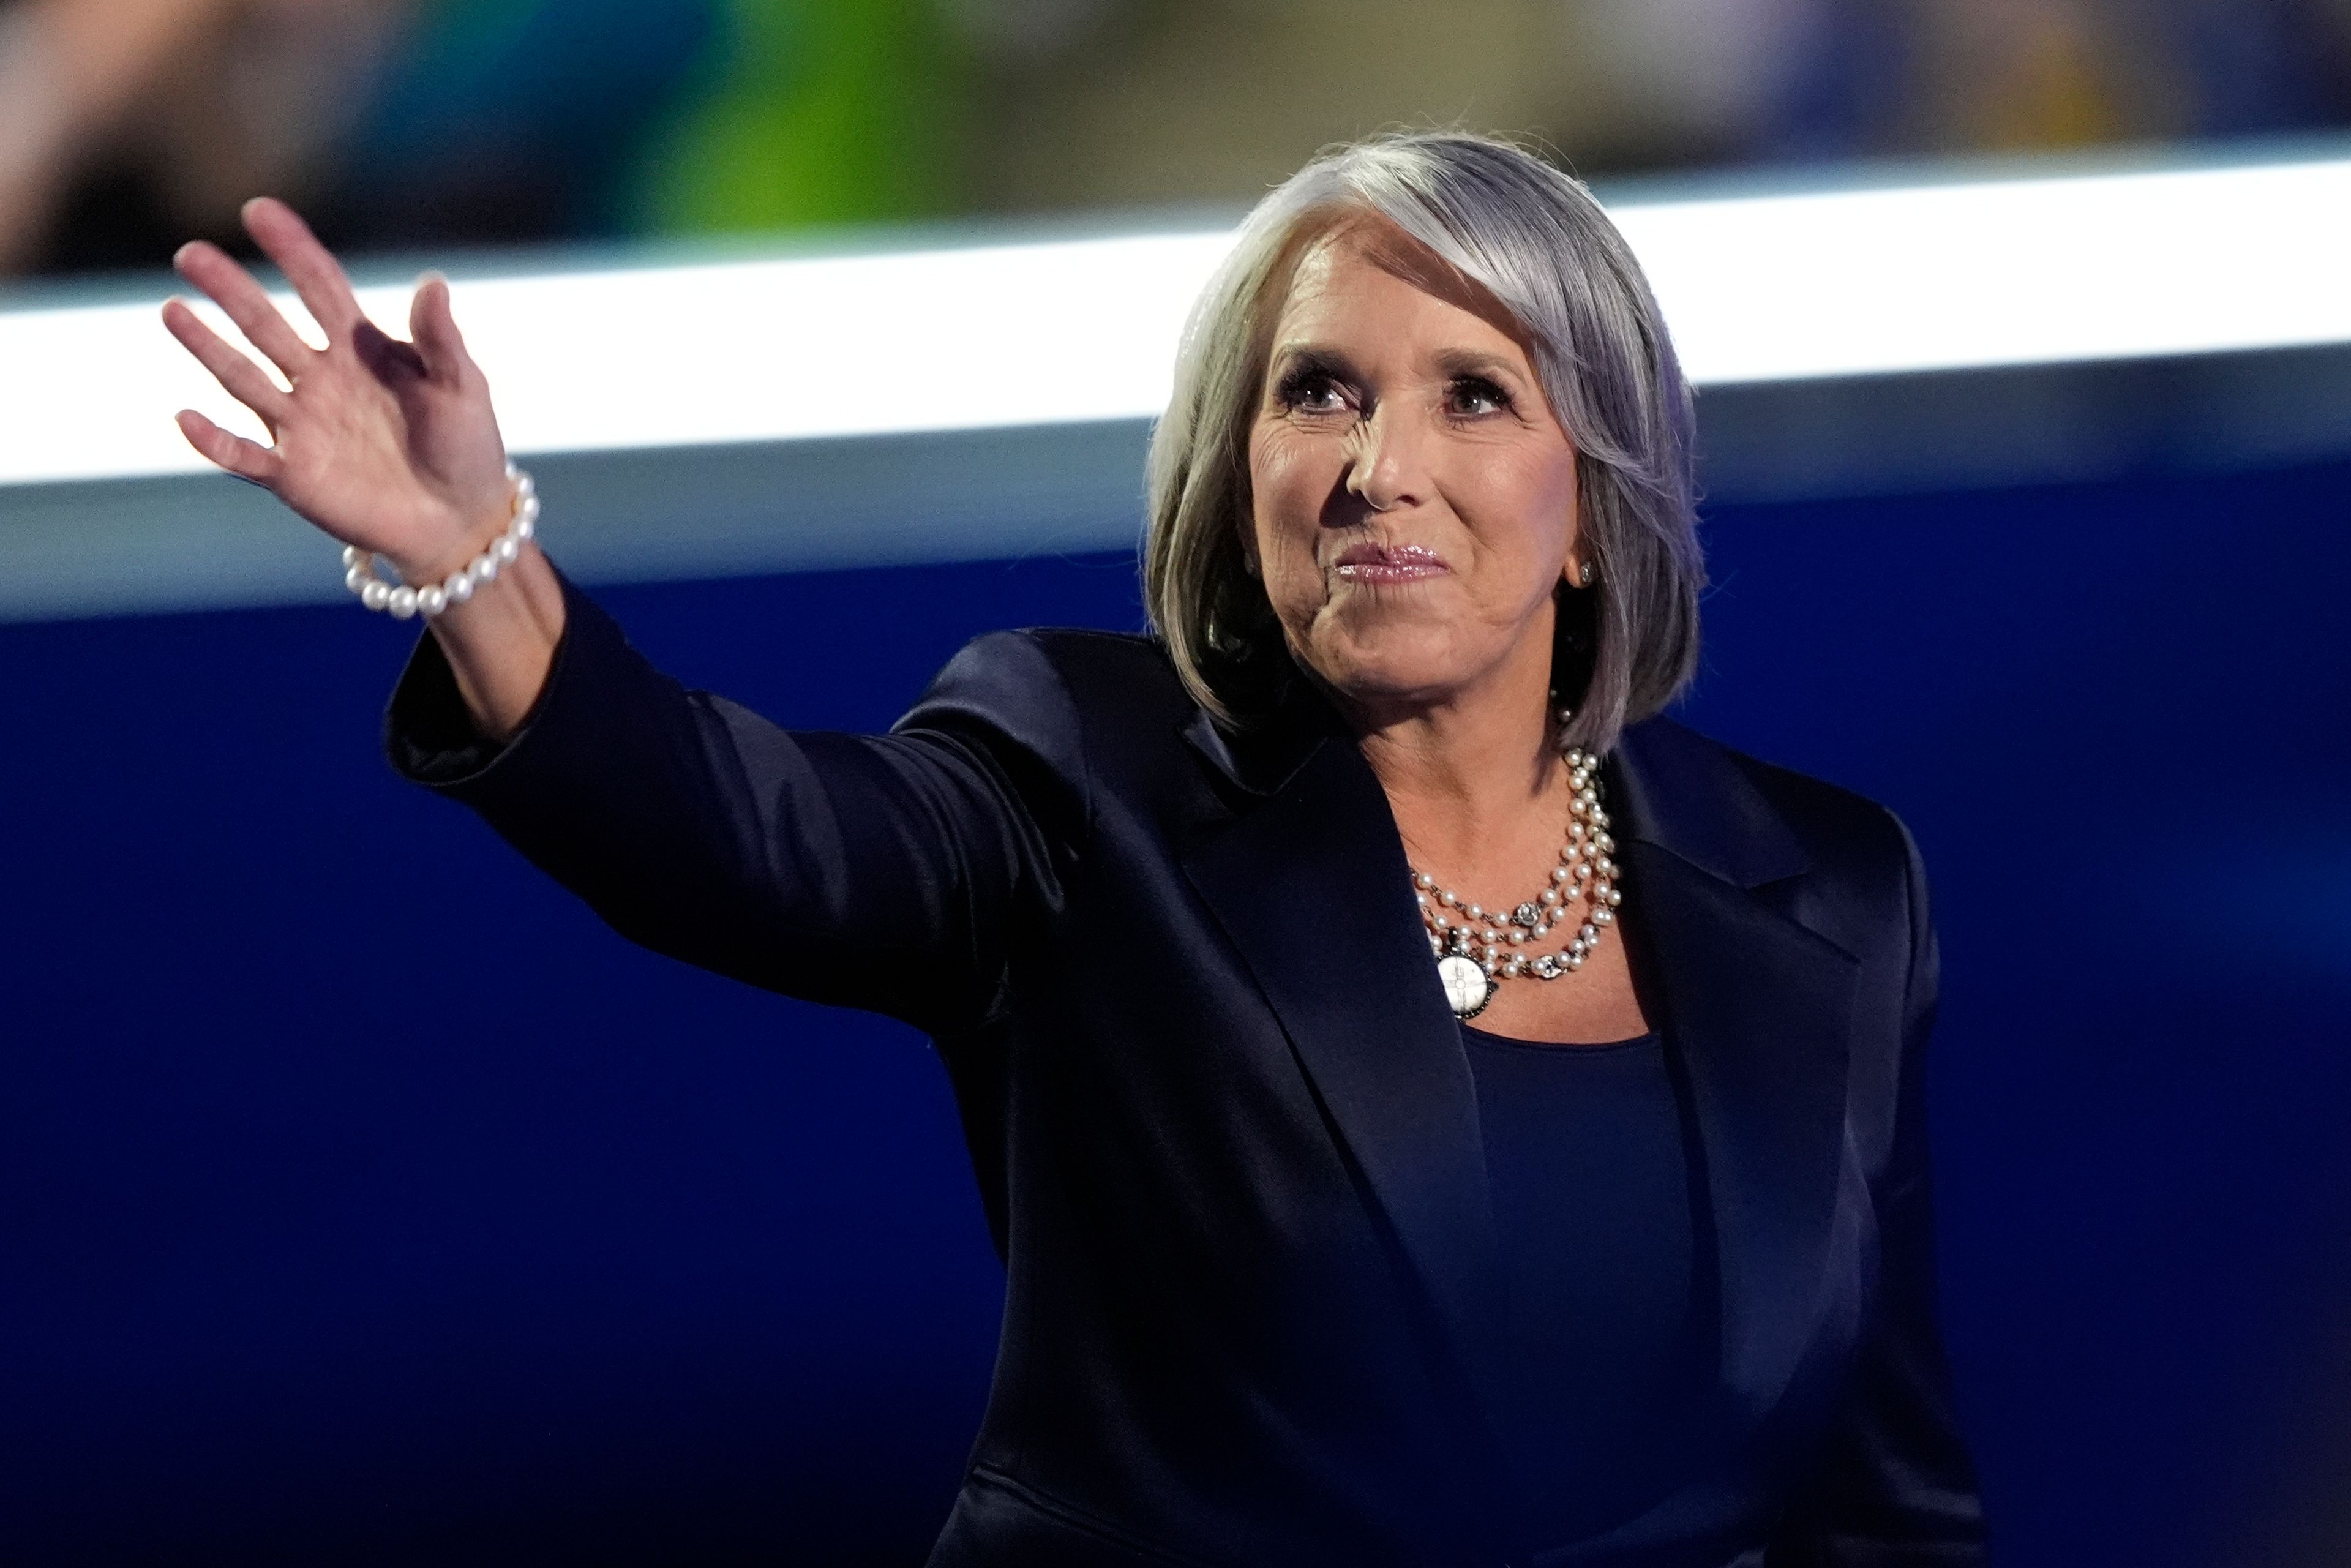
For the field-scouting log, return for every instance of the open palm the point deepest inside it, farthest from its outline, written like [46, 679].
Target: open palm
[388, 445]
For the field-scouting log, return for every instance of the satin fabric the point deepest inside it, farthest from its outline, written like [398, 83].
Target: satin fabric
[1219, 1111]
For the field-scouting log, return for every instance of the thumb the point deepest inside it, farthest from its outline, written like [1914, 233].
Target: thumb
[434, 330]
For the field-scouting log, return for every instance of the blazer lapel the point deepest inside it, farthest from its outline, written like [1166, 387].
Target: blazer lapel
[1309, 881]
[1758, 1009]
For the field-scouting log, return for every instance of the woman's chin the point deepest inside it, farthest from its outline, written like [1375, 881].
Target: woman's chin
[1398, 667]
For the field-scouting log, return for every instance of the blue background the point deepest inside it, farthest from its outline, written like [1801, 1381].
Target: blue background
[363, 1199]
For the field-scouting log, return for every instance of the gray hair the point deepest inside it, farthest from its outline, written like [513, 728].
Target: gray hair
[1537, 241]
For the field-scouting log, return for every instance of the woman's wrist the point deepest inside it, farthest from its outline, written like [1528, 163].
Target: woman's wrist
[501, 644]
[478, 537]
[427, 591]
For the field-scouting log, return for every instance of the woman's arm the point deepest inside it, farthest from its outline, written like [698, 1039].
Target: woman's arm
[392, 446]
[896, 872]
[883, 872]
[1896, 1487]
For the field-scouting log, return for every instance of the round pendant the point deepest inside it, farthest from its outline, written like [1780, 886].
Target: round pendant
[1466, 986]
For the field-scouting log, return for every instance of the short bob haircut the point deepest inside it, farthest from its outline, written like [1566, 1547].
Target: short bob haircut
[1536, 241]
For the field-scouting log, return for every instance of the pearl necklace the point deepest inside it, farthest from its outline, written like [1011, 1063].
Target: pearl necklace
[1476, 947]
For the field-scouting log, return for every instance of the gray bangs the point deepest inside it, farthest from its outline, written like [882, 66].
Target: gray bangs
[1536, 240]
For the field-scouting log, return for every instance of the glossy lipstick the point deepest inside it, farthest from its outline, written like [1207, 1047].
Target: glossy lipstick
[1369, 562]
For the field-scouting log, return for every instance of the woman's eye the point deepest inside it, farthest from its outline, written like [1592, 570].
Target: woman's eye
[1312, 392]
[1472, 395]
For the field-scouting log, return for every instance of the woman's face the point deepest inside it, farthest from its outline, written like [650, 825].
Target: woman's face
[1413, 499]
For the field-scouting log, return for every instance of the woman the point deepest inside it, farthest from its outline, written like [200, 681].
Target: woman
[1303, 1265]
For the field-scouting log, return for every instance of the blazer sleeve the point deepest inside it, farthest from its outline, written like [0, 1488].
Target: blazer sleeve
[1897, 1487]
[894, 872]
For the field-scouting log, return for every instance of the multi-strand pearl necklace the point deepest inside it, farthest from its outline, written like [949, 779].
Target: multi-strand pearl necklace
[1476, 947]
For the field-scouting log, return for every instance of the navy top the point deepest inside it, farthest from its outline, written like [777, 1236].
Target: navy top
[1587, 1163]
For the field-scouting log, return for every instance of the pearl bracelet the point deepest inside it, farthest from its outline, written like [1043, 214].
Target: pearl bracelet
[402, 602]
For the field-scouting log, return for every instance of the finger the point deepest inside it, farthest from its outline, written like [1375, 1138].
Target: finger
[434, 328]
[243, 380]
[308, 265]
[233, 289]
[245, 459]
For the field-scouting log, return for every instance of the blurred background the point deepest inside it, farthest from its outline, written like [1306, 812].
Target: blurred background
[363, 1201]
[132, 125]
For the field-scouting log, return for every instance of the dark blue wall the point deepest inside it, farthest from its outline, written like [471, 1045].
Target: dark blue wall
[363, 1199]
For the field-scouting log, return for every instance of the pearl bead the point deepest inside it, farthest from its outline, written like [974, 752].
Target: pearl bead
[1450, 899]
[458, 589]
[430, 599]
[525, 526]
[485, 567]
[402, 602]
[353, 556]
[1560, 873]
[1476, 913]
[1589, 931]
[376, 593]
[1575, 961]
[506, 549]
[357, 578]
[1603, 915]
[1424, 881]
[1614, 898]
[1518, 936]
[1577, 807]
[1605, 842]
[1442, 923]
[1549, 896]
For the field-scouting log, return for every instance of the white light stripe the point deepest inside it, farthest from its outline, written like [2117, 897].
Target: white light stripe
[1755, 289]
[2014, 272]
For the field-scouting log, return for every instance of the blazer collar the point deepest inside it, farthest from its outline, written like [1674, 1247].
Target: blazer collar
[1755, 1008]
[1262, 757]
[1673, 788]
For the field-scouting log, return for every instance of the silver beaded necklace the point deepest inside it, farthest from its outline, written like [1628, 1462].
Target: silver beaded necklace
[1476, 948]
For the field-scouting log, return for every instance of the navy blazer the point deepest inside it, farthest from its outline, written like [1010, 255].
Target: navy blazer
[1219, 1111]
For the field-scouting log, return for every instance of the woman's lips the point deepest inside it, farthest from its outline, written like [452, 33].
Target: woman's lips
[1389, 563]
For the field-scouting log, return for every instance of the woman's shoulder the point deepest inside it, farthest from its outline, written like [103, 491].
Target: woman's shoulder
[1062, 692]
[1089, 672]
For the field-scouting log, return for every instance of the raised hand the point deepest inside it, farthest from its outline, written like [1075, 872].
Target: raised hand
[385, 444]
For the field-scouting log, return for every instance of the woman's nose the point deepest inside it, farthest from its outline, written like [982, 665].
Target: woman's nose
[1386, 472]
